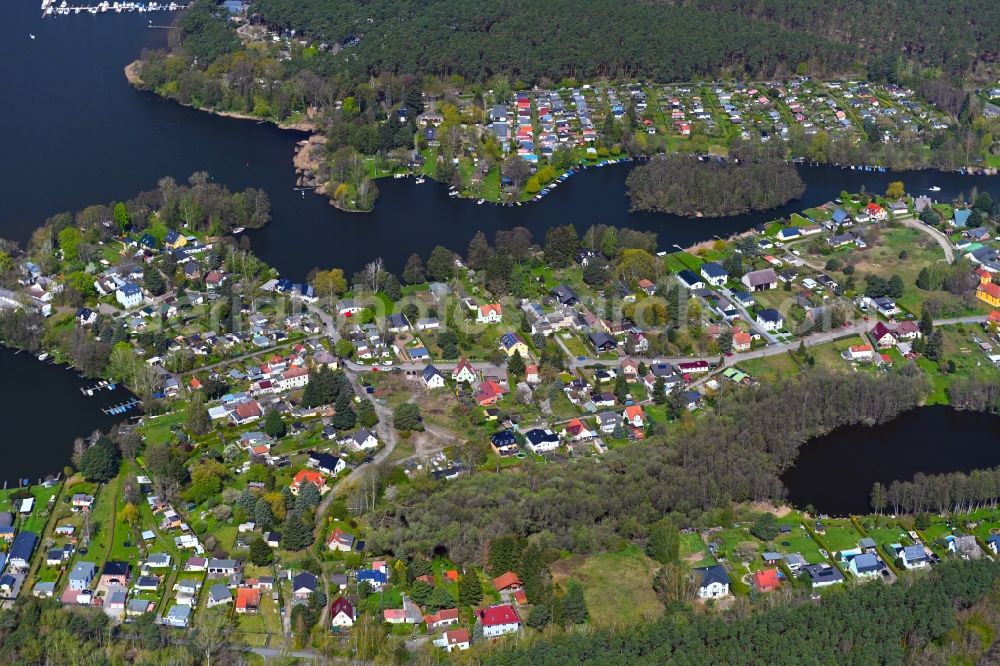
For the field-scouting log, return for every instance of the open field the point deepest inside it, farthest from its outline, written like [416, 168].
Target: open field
[618, 586]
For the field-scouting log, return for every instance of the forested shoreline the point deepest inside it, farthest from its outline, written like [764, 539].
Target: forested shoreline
[736, 455]
[682, 185]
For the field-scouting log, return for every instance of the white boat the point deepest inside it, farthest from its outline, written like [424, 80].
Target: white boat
[934, 188]
[420, 179]
[43, 356]
[480, 202]
[239, 230]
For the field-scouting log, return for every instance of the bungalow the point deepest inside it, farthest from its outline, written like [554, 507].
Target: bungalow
[397, 323]
[158, 561]
[464, 372]
[59, 556]
[840, 216]
[743, 298]
[635, 416]
[861, 353]
[303, 585]
[512, 343]
[219, 568]
[823, 575]
[713, 582]
[428, 324]
[247, 600]
[348, 307]
[770, 319]
[913, 557]
[443, 618]
[82, 500]
[907, 330]
[766, 580]
[304, 476]
[692, 367]
[714, 273]
[788, 233]
[432, 377]
[454, 639]
[21, 550]
[741, 341]
[865, 565]
[540, 441]
[342, 613]
[886, 306]
[761, 280]
[218, 594]
[498, 620]
[44, 590]
[376, 580]
[688, 278]
[899, 207]
[491, 313]
[840, 240]
[601, 341]
[504, 443]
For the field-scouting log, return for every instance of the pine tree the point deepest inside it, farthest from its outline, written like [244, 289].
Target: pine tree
[309, 497]
[344, 418]
[659, 391]
[440, 598]
[274, 425]
[515, 365]
[926, 322]
[295, 534]
[574, 605]
[470, 589]
[260, 553]
[413, 272]
[198, 421]
[262, 514]
[540, 616]
[621, 388]
[935, 346]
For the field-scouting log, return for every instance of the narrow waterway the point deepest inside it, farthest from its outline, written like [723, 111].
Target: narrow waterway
[835, 473]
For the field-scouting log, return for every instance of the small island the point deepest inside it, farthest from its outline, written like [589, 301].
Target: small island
[712, 186]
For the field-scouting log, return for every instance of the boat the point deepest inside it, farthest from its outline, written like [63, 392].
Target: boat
[43, 356]
[480, 202]
[239, 230]
[31, 35]
[420, 179]
[934, 188]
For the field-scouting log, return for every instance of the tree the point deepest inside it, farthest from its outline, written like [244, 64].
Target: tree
[878, 497]
[561, 245]
[413, 272]
[765, 527]
[344, 417]
[309, 497]
[479, 252]
[664, 542]
[926, 322]
[122, 218]
[212, 637]
[260, 553]
[153, 280]
[673, 584]
[366, 414]
[539, 617]
[197, 420]
[440, 598]
[69, 242]
[441, 264]
[406, 416]
[295, 535]
[895, 190]
[101, 461]
[574, 605]
[206, 480]
[659, 391]
[420, 592]
[895, 286]
[330, 284]
[130, 515]
[274, 425]
[263, 514]
[515, 365]
[935, 346]
[470, 589]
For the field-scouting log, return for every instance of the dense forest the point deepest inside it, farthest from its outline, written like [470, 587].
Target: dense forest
[552, 40]
[702, 464]
[941, 493]
[681, 185]
[907, 622]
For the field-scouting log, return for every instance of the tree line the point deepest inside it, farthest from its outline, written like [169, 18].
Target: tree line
[875, 623]
[703, 464]
[942, 493]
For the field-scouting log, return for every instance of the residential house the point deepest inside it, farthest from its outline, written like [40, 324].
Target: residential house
[443, 618]
[247, 600]
[689, 279]
[21, 550]
[512, 343]
[766, 580]
[129, 295]
[883, 336]
[44, 590]
[326, 463]
[823, 575]
[454, 639]
[634, 416]
[499, 620]
[541, 441]
[714, 273]
[504, 443]
[303, 585]
[464, 372]
[82, 575]
[788, 233]
[340, 540]
[376, 580]
[861, 353]
[712, 581]
[432, 377]
[601, 341]
[218, 594]
[490, 313]
[304, 476]
[115, 573]
[565, 295]
[361, 440]
[178, 616]
[222, 568]
[577, 431]
[342, 613]
[770, 319]
[865, 565]
[914, 557]
[741, 341]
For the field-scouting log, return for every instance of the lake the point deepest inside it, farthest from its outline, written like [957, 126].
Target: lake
[82, 135]
[835, 473]
[44, 411]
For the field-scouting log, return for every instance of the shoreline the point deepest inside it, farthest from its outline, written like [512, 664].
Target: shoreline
[132, 76]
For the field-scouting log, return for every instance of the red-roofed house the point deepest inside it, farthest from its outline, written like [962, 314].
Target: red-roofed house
[741, 341]
[293, 378]
[766, 580]
[576, 431]
[531, 374]
[247, 600]
[340, 541]
[443, 618]
[491, 313]
[451, 575]
[647, 286]
[194, 384]
[456, 639]
[520, 597]
[994, 318]
[246, 412]
[876, 212]
[861, 352]
[883, 336]
[342, 613]
[318, 479]
[989, 292]
[499, 620]
[635, 416]
[488, 393]
[507, 581]
[630, 369]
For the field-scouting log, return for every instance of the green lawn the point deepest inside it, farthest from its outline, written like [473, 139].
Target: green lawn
[840, 535]
[617, 586]
[693, 550]
[798, 541]
[770, 368]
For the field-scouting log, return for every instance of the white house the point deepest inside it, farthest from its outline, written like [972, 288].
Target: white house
[714, 273]
[432, 377]
[455, 639]
[489, 314]
[713, 582]
[464, 372]
[540, 441]
[499, 620]
[770, 319]
[129, 295]
[342, 613]
[914, 557]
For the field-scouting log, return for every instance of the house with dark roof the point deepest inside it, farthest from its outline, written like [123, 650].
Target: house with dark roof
[866, 565]
[21, 550]
[713, 582]
[432, 377]
[823, 575]
[761, 280]
[540, 441]
[770, 319]
[342, 613]
[714, 273]
[565, 295]
[303, 585]
[690, 280]
[601, 341]
[914, 557]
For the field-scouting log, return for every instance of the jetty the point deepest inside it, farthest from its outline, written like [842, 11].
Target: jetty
[122, 408]
[99, 386]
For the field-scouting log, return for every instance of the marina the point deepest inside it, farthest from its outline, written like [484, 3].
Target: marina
[122, 408]
[99, 386]
[51, 9]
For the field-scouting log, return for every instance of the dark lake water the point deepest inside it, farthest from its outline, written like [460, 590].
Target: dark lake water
[835, 473]
[79, 134]
[43, 412]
